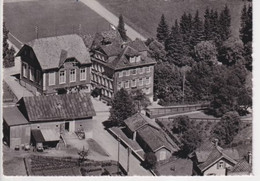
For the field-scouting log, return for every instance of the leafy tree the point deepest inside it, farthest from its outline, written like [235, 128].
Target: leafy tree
[248, 56]
[246, 25]
[162, 30]
[231, 51]
[122, 107]
[150, 160]
[121, 28]
[8, 53]
[206, 51]
[174, 46]
[191, 139]
[225, 23]
[181, 124]
[227, 128]
[156, 50]
[140, 99]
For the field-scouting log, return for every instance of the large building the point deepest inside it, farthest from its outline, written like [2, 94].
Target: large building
[117, 64]
[42, 119]
[55, 65]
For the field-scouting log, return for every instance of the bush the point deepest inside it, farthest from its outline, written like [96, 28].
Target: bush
[150, 160]
[96, 92]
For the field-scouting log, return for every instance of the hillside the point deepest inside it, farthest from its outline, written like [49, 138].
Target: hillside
[144, 15]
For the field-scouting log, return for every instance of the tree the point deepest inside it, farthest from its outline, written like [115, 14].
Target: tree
[191, 139]
[231, 51]
[140, 99]
[174, 46]
[206, 51]
[207, 25]
[122, 107]
[248, 56]
[162, 30]
[156, 50]
[197, 30]
[150, 160]
[180, 124]
[227, 128]
[8, 53]
[121, 28]
[246, 25]
[225, 23]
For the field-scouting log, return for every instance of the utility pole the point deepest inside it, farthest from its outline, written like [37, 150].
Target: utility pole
[183, 87]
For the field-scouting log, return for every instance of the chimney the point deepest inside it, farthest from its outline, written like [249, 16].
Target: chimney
[215, 142]
[249, 157]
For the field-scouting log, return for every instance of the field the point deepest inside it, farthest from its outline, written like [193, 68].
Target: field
[144, 15]
[53, 17]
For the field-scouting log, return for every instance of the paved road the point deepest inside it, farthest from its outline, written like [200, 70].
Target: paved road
[110, 144]
[111, 18]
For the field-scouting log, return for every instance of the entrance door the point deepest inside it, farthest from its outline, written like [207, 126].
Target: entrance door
[67, 126]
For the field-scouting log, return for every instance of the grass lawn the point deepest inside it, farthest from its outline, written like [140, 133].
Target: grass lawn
[53, 17]
[144, 15]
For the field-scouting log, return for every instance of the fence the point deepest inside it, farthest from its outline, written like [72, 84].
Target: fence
[170, 110]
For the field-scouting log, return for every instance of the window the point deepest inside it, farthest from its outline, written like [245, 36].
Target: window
[72, 75]
[138, 59]
[120, 74]
[126, 84]
[147, 69]
[102, 81]
[52, 78]
[124, 73]
[132, 59]
[141, 70]
[25, 70]
[221, 165]
[140, 82]
[133, 84]
[127, 72]
[31, 73]
[134, 71]
[148, 80]
[62, 78]
[83, 74]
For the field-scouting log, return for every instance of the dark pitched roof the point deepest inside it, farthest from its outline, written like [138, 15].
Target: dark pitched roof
[241, 166]
[12, 116]
[136, 121]
[176, 167]
[217, 154]
[111, 36]
[58, 107]
[113, 49]
[50, 50]
[137, 44]
[154, 138]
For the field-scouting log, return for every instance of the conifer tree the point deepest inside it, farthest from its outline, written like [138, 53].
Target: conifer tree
[225, 23]
[246, 25]
[121, 28]
[162, 30]
[207, 25]
[197, 30]
[174, 46]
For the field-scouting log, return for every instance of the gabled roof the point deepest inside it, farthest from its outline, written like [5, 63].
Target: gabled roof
[154, 139]
[241, 166]
[215, 155]
[106, 36]
[113, 49]
[137, 44]
[176, 167]
[136, 121]
[57, 107]
[49, 51]
[13, 117]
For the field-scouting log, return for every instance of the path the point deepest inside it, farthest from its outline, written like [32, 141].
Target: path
[111, 18]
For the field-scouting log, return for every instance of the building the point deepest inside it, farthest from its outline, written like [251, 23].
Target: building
[243, 166]
[118, 64]
[54, 65]
[43, 119]
[214, 160]
[149, 136]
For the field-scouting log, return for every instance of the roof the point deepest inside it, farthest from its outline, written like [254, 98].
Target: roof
[241, 166]
[45, 135]
[12, 116]
[58, 107]
[137, 44]
[154, 138]
[107, 36]
[217, 154]
[136, 121]
[176, 167]
[8, 95]
[50, 50]
[88, 40]
[112, 49]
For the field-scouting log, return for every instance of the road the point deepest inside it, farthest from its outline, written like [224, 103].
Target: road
[111, 18]
[110, 144]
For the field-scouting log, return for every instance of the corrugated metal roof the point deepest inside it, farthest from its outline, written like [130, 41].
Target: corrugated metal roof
[12, 116]
[49, 50]
[58, 107]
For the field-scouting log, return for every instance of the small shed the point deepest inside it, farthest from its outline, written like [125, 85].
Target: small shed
[16, 128]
